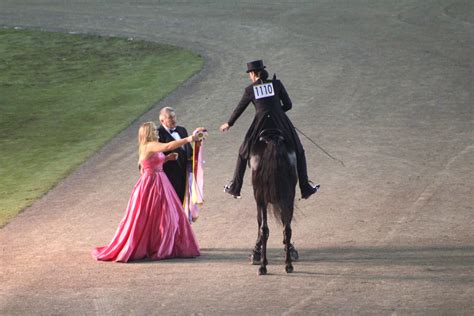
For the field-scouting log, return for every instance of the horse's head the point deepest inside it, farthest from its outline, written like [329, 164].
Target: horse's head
[271, 143]
[269, 134]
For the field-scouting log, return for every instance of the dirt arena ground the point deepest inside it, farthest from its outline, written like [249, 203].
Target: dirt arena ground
[384, 86]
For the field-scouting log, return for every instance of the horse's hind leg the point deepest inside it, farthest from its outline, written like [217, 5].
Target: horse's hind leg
[287, 241]
[264, 233]
[256, 255]
[293, 252]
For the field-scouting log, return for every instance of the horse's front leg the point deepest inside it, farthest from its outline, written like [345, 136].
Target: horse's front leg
[264, 233]
[287, 241]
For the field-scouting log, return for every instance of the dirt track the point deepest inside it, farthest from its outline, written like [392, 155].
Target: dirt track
[384, 86]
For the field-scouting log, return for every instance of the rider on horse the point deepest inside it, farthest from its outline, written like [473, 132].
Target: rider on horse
[271, 101]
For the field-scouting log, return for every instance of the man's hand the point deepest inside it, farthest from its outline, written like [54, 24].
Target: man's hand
[172, 156]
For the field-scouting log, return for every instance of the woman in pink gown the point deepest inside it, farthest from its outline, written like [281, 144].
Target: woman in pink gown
[155, 225]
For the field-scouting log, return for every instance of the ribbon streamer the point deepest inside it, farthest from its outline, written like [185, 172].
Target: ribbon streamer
[194, 197]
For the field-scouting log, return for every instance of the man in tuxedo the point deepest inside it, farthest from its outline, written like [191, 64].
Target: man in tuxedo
[176, 169]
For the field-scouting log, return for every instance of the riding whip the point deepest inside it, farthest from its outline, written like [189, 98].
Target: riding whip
[321, 148]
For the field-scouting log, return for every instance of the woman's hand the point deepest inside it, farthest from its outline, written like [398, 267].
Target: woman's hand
[224, 127]
[172, 156]
[199, 134]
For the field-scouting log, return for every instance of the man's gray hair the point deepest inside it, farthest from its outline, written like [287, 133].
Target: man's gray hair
[166, 111]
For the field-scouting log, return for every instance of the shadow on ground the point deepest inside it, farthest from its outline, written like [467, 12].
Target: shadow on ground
[433, 258]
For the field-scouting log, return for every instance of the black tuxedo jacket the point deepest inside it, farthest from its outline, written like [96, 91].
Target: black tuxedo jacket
[176, 170]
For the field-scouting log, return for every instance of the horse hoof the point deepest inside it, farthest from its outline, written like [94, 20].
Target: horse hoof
[262, 271]
[289, 269]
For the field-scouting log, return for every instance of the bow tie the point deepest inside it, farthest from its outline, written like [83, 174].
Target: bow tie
[172, 131]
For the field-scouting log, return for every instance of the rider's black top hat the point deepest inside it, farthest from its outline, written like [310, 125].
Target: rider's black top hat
[255, 65]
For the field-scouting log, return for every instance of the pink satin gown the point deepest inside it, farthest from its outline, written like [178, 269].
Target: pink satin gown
[155, 225]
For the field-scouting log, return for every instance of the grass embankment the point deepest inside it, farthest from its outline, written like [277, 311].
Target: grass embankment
[63, 96]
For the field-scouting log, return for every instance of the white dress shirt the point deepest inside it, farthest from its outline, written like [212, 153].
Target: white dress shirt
[174, 134]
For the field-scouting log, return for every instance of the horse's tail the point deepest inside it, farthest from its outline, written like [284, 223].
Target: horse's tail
[277, 174]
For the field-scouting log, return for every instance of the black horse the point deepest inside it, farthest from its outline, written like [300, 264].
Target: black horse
[274, 179]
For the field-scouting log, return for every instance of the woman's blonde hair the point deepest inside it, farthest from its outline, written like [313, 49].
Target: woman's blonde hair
[147, 133]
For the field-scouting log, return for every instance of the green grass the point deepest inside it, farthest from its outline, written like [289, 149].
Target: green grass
[63, 96]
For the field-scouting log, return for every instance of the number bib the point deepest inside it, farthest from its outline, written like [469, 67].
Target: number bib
[263, 90]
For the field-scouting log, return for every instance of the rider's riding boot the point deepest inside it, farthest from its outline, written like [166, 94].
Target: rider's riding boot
[307, 188]
[234, 186]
